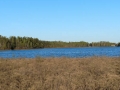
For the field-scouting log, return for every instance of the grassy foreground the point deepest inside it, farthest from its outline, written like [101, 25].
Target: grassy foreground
[95, 73]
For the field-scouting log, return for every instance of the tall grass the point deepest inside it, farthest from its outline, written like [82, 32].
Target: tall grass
[95, 73]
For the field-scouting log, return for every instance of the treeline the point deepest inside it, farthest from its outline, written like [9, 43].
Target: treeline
[33, 43]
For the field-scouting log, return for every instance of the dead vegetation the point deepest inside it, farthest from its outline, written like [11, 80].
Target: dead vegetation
[95, 73]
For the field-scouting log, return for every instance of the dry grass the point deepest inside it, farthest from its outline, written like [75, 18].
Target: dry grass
[95, 73]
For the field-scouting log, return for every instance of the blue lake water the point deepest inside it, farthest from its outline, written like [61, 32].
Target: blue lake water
[62, 52]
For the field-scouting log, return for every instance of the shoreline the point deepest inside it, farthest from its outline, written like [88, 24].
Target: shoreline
[39, 57]
[59, 47]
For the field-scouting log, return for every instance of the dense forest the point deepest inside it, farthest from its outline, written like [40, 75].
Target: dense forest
[33, 43]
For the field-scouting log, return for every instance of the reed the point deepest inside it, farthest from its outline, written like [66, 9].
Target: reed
[95, 73]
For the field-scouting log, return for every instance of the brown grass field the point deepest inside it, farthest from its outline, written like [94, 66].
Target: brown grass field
[94, 73]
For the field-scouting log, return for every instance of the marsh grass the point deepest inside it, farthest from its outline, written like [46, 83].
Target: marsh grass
[95, 73]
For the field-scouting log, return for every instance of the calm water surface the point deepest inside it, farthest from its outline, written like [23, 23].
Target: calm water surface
[62, 52]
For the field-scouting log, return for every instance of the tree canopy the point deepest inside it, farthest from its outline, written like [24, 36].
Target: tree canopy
[33, 43]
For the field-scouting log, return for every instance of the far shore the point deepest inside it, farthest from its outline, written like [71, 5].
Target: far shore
[57, 47]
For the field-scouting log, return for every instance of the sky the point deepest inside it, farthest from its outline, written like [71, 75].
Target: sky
[61, 20]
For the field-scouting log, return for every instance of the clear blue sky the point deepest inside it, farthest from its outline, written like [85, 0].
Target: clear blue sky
[61, 20]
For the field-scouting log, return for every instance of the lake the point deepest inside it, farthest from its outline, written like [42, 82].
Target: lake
[62, 52]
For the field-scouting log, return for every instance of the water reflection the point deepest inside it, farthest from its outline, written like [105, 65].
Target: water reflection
[62, 52]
